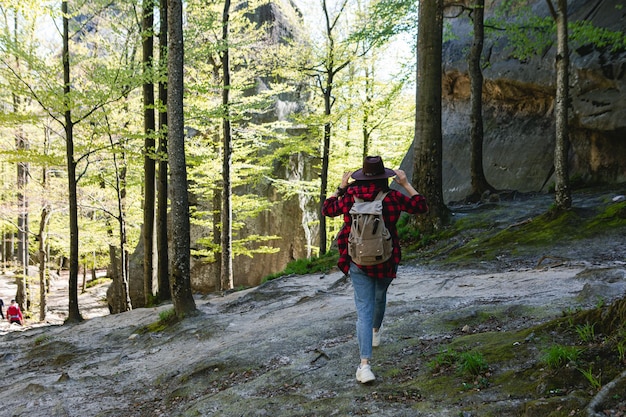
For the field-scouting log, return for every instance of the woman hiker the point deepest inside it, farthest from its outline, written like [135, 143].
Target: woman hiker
[14, 314]
[370, 282]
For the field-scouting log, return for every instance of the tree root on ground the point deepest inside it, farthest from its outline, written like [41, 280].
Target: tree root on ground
[601, 396]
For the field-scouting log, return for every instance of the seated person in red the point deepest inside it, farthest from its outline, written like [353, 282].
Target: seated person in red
[14, 314]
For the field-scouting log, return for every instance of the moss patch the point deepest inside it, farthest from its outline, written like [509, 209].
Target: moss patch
[483, 236]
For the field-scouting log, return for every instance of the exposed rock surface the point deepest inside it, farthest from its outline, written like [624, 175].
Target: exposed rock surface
[287, 348]
[290, 218]
[518, 107]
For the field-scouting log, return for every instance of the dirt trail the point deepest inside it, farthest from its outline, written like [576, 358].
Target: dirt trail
[274, 350]
[287, 348]
[92, 302]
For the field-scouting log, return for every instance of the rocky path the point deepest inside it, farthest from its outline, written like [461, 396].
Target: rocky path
[285, 348]
[92, 302]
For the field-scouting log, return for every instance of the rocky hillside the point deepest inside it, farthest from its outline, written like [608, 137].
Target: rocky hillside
[287, 348]
[519, 131]
[519, 102]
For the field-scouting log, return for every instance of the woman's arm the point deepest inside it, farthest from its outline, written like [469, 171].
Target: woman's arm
[402, 180]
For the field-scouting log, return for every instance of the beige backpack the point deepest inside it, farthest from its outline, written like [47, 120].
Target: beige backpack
[369, 241]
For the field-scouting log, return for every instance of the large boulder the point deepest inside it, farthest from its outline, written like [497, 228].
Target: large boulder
[519, 99]
[291, 216]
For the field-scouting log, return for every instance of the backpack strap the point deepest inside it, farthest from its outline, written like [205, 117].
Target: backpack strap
[380, 196]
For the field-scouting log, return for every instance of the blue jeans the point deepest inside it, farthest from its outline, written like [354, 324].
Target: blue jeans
[370, 298]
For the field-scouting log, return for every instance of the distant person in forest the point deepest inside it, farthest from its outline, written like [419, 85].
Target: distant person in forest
[14, 314]
[370, 282]
[2, 308]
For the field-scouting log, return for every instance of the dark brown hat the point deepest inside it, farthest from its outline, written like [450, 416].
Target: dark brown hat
[373, 169]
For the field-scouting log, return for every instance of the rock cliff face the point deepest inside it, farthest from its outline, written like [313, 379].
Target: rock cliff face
[290, 217]
[518, 102]
[518, 123]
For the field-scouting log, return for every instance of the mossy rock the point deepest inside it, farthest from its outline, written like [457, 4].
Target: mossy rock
[565, 406]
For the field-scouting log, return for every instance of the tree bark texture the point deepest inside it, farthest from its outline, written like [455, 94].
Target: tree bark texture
[427, 169]
[327, 89]
[180, 286]
[226, 274]
[21, 144]
[74, 313]
[120, 186]
[563, 194]
[163, 257]
[43, 262]
[477, 174]
[149, 149]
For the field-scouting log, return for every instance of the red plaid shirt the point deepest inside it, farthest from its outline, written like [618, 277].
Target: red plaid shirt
[393, 205]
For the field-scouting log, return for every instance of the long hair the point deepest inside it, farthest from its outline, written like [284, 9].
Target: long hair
[382, 183]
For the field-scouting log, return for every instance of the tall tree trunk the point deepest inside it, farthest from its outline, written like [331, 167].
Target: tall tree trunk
[427, 166]
[163, 257]
[43, 262]
[563, 194]
[74, 313]
[3, 245]
[477, 174]
[149, 149]
[327, 85]
[226, 274]
[325, 160]
[226, 266]
[182, 296]
[218, 193]
[22, 297]
[21, 144]
[124, 259]
[217, 230]
[367, 108]
[120, 187]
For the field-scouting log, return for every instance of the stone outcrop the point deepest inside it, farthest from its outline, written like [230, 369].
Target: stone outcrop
[518, 104]
[518, 123]
[290, 217]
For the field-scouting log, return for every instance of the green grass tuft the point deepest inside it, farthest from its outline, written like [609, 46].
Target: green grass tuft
[557, 356]
[322, 263]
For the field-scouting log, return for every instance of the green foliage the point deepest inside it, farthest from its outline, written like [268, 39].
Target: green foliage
[531, 35]
[586, 332]
[167, 316]
[446, 358]
[595, 381]
[407, 231]
[585, 33]
[97, 281]
[466, 363]
[526, 33]
[307, 266]
[472, 363]
[489, 239]
[106, 100]
[557, 356]
[619, 339]
[388, 18]
[41, 339]
[621, 349]
[103, 79]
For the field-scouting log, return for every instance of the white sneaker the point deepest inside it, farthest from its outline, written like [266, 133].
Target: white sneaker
[364, 374]
[376, 337]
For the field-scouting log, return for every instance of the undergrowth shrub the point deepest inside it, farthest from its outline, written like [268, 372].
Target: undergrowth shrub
[557, 356]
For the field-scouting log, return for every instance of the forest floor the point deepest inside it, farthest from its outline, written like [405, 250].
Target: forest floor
[288, 348]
